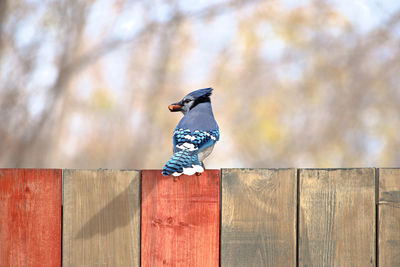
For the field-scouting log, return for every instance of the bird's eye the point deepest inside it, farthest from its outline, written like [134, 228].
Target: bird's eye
[186, 100]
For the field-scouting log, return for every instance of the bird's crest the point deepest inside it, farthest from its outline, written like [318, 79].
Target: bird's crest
[205, 92]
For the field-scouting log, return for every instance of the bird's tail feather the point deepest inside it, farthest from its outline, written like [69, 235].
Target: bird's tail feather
[183, 162]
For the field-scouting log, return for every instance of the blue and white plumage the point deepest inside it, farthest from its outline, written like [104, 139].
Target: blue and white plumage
[194, 136]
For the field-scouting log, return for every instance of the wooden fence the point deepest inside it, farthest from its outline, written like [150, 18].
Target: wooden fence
[232, 217]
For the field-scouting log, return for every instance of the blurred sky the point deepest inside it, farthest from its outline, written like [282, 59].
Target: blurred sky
[209, 39]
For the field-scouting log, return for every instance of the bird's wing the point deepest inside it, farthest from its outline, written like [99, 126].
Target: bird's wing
[198, 140]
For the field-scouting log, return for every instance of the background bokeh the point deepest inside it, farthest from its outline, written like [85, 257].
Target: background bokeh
[86, 84]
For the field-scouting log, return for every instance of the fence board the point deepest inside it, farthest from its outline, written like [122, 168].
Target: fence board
[337, 217]
[101, 218]
[258, 217]
[180, 219]
[389, 217]
[30, 217]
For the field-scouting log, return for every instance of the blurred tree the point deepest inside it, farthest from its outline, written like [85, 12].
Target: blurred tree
[86, 84]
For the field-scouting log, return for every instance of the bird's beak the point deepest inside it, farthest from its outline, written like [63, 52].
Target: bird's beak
[175, 107]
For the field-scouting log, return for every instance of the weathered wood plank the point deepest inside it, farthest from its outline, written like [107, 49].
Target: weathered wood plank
[337, 217]
[389, 217]
[180, 219]
[258, 217]
[101, 218]
[30, 217]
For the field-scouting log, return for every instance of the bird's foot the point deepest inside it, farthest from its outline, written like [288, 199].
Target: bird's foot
[204, 169]
[176, 178]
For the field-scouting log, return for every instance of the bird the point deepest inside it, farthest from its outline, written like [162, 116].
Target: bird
[194, 136]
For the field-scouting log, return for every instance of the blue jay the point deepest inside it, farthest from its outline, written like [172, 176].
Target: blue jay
[194, 136]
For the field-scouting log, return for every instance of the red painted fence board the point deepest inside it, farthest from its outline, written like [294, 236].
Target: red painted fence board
[30, 217]
[180, 219]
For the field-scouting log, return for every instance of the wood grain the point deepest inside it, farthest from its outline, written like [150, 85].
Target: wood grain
[389, 217]
[258, 217]
[337, 217]
[101, 218]
[180, 219]
[30, 217]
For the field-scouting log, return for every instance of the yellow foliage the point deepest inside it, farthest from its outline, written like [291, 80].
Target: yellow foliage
[272, 131]
[103, 99]
[268, 121]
